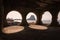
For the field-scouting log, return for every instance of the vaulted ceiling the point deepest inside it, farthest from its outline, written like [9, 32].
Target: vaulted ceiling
[30, 3]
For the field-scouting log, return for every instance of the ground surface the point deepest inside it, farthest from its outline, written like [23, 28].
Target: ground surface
[52, 33]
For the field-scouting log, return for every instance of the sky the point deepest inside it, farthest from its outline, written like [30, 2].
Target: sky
[58, 19]
[29, 15]
[58, 16]
[46, 16]
[17, 15]
[14, 15]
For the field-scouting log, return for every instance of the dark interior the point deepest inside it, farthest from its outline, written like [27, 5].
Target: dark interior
[26, 6]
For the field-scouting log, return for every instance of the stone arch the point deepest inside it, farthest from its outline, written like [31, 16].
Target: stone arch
[14, 18]
[58, 19]
[46, 18]
[31, 18]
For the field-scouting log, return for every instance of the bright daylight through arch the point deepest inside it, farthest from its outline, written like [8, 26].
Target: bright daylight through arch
[46, 18]
[14, 18]
[58, 19]
[31, 18]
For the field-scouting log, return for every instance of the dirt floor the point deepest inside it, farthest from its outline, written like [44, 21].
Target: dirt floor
[52, 33]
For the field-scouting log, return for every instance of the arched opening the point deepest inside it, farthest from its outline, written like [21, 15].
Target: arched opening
[14, 19]
[32, 22]
[31, 18]
[58, 19]
[46, 18]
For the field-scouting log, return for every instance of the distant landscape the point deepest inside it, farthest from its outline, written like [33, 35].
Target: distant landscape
[30, 20]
